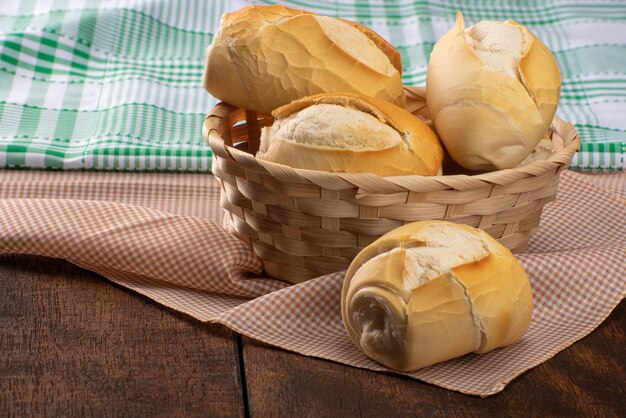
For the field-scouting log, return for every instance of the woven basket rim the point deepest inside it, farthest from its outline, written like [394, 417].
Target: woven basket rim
[504, 176]
[303, 223]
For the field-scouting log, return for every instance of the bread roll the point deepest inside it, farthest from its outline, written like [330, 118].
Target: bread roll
[431, 291]
[263, 57]
[543, 151]
[343, 132]
[492, 90]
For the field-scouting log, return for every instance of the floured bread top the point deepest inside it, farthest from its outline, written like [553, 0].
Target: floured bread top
[499, 45]
[444, 248]
[335, 126]
[436, 249]
[356, 44]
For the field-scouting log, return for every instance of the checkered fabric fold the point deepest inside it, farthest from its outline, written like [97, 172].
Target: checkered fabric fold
[109, 85]
[127, 228]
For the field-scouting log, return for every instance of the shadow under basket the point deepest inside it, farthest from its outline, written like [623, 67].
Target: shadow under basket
[306, 223]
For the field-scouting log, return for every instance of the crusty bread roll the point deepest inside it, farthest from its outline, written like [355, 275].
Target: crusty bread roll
[430, 291]
[543, 151]
[263, 57]
[492, 90]
[344, 132]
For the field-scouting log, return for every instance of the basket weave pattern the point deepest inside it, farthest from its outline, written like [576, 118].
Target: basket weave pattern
[305, 223]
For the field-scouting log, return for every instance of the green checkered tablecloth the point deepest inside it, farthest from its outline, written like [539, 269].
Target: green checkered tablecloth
[116, 85]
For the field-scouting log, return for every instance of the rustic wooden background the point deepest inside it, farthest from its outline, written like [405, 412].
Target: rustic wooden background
[74, 344]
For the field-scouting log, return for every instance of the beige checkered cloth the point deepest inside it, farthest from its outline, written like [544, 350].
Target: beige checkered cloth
[159, 234]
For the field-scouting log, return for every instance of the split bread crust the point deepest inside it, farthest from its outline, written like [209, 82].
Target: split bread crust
[492, 91]
[344, 132]
[263, 57]
[431, 291]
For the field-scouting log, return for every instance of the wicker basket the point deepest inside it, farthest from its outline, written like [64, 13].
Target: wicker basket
[305, 223]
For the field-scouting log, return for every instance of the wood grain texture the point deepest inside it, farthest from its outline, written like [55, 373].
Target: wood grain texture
[74, 344]
[587, 379]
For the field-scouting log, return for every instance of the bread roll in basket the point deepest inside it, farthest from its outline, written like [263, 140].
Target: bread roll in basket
[305, 223]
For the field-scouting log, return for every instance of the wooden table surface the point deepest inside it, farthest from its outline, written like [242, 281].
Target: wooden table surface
[74, 344]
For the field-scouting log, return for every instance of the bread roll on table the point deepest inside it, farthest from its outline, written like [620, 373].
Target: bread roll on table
[263, 57]
[430, 291]
[343, 132]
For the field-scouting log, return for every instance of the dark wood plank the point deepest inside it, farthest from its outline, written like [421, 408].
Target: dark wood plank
[74, 344]
[587, 379]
